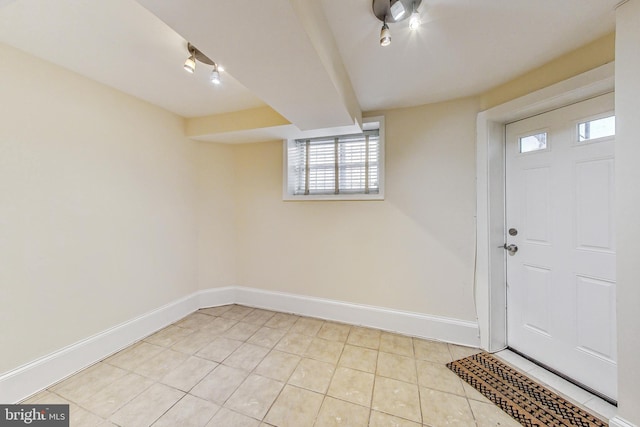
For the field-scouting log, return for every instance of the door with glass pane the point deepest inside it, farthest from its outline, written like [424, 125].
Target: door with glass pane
[560, 241]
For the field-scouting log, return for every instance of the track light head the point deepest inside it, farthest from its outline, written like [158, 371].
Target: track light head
[385, 35]
[190, 64]
[215, 75]
[414, 20]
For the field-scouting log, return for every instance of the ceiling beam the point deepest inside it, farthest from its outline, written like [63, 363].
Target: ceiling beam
[281, 50]
[253, 125]
[237, 121]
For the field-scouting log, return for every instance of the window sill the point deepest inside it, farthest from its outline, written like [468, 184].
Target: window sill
[333, 197]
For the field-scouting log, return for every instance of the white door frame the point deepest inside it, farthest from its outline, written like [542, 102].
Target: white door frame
[490, 283]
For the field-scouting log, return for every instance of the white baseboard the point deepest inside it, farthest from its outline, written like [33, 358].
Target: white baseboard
[408, 323]
[216, 296]
[22, 382]
[26, 380]
[620, 422]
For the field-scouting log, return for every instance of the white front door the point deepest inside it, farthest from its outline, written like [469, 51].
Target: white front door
[561, 289]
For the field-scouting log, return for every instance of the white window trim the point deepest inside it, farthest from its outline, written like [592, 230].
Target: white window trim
[287, 196]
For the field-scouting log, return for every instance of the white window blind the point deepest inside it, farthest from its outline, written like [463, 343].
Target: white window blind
[345, 164]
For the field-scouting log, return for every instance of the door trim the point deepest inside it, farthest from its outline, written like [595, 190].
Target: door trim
[490, 269]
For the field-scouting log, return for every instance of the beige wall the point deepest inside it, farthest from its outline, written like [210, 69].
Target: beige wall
[217, 229]
[585, 58]
[628, 207]
[97, 208]
[413, 251]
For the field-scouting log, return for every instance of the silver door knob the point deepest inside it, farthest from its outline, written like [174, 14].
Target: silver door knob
[512, 249]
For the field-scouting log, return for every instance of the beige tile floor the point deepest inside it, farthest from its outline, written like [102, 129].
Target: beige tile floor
[237, 366]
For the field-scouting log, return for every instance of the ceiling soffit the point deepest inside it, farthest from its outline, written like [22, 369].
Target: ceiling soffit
[281, 50]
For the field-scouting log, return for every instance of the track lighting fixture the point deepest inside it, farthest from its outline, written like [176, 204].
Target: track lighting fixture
[392, 11]
[195, 54]
[385, 35]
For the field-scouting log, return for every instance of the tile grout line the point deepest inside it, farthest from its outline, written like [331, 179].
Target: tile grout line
[250, 372]
[466, 397]
[263, 420]
[335, 369]
[415, 364]
[373, 388]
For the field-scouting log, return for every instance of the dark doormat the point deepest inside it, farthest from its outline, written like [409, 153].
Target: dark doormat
[526, 401]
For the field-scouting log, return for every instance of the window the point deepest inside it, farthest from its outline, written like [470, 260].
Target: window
[533, 142]
[597, 128]
[336, 167]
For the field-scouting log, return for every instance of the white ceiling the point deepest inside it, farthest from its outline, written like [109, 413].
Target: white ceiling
[318, 63]
[464, 47]
[119, 43]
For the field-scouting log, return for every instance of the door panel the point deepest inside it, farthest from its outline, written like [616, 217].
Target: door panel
[537, 283]
[561, 281]
[594, 205]
[537, 206]
[595, 306]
